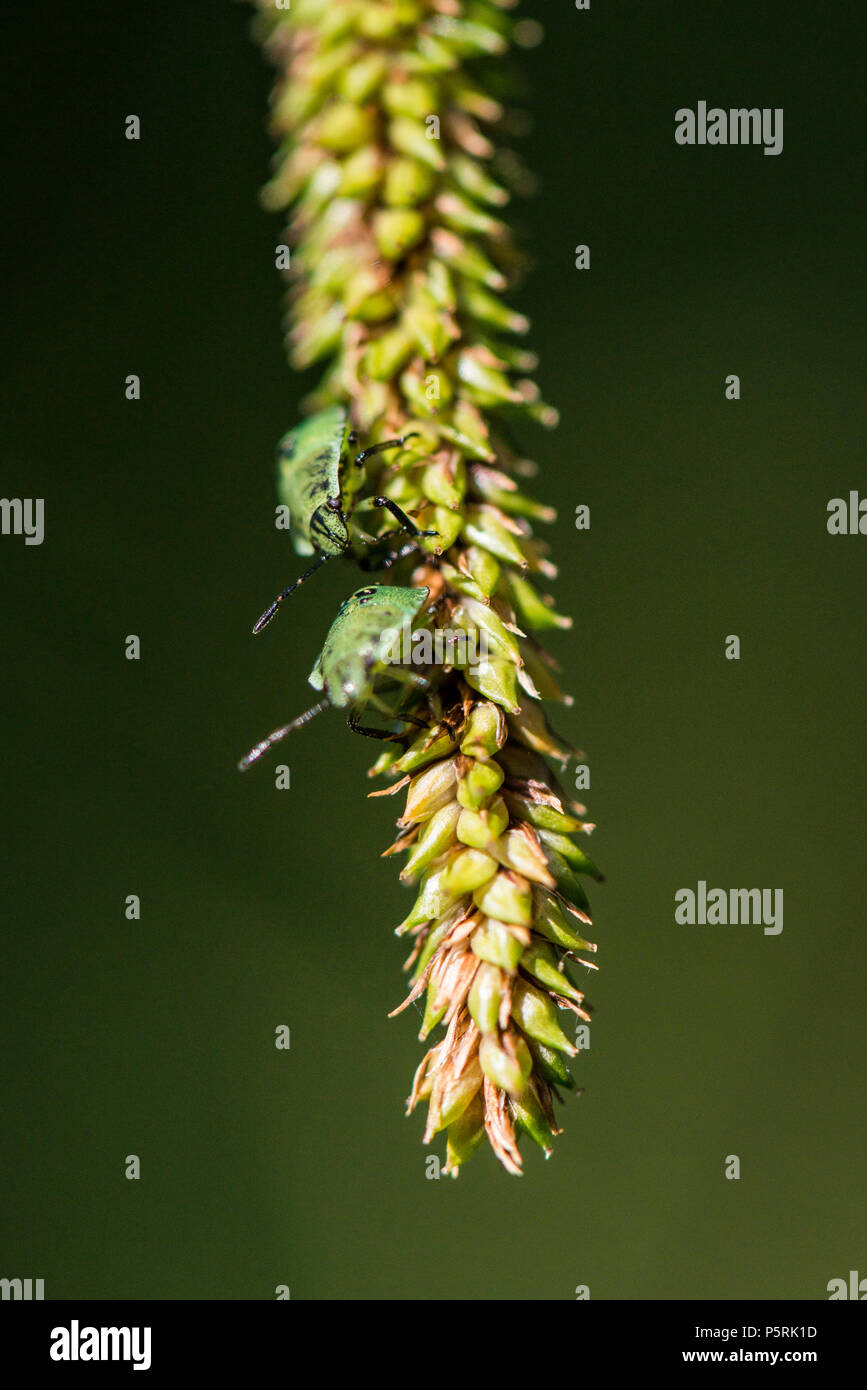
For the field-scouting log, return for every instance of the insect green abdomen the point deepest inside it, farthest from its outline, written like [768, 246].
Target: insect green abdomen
[359, 639]
[308, 476]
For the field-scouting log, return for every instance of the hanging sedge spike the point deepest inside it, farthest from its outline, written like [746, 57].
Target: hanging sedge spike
[385, 116]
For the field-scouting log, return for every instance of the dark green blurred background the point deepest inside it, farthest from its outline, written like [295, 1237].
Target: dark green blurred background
[263, 907]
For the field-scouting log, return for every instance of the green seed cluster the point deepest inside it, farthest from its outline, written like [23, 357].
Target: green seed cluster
[383, 114]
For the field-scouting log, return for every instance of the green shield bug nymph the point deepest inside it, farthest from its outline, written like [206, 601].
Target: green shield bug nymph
[355, 657]
[318, 479]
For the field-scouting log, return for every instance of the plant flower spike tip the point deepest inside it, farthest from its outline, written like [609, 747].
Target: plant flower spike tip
[386, 115]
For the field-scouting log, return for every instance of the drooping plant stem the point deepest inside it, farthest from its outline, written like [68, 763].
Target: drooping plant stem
[385, 115]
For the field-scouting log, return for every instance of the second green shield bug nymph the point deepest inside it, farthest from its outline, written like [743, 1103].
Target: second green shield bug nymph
[318, 479]
[355, 658]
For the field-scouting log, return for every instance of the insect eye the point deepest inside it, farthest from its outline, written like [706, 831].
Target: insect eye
[333, 504]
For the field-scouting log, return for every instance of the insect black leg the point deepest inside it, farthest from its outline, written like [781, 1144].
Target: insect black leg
[372, 733]
[419, 683]
[411, 719]
[266, 617]
[405, 523]
[435, 607]
[369, 562]
[386, 444]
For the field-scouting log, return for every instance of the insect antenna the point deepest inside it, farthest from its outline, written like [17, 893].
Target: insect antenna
[255, 753]
[272, 609]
